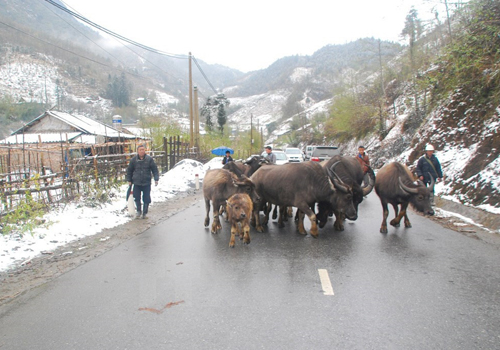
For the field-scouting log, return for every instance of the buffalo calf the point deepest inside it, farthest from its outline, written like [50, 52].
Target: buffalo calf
[239, 212]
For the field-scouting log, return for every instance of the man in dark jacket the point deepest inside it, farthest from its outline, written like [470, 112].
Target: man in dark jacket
[139, 172]
[428, 165]
[227, 158]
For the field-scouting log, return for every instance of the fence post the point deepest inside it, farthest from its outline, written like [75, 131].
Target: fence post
[165, 156]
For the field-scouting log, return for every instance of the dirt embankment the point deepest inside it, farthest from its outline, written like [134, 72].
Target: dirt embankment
[44, 268]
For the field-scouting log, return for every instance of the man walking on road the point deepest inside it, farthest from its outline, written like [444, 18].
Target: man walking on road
[139, 172]
[270, 155]
[428, 165]
[363, 159]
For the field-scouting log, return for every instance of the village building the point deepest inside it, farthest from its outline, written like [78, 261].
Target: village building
[57, 138]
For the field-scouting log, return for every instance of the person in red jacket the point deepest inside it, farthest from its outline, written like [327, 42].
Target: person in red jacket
[363, 159]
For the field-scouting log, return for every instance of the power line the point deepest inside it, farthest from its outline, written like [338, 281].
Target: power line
[144, 47]
[203, 73]
[96, 44]
[107, 31]
[126, 46]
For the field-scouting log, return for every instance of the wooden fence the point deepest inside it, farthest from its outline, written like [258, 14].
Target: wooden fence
[51, 173]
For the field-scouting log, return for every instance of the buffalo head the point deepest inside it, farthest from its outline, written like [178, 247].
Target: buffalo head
[419, 196]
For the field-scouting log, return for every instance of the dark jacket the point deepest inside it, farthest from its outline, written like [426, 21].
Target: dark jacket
[227, 159]
[424, 168]
[139, 170]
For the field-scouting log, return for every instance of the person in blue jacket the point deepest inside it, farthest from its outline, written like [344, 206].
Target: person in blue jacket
[428, 165]
[141, 169]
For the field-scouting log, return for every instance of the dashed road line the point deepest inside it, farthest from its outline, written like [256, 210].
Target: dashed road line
[325, 282]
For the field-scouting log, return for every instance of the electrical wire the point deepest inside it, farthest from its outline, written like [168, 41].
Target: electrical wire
[204, 76]
[122, 38]
[107, 31]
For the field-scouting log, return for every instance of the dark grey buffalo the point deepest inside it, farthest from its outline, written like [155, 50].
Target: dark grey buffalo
[299, 185]
[348, 172]
[394, 185]
[218, 186]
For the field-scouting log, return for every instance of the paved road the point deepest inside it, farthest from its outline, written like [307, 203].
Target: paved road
[179, 287]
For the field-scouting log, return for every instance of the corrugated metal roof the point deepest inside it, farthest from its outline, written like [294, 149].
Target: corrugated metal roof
[81, 123]
[45, 138]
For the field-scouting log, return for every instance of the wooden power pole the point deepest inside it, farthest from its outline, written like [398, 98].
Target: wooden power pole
[196, 121]
[191, 121]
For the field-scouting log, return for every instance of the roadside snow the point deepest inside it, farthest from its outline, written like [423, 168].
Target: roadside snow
[74, 221]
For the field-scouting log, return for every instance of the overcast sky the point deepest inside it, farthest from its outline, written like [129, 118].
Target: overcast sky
[251, 35]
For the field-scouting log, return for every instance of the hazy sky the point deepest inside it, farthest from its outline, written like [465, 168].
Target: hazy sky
[250, 35]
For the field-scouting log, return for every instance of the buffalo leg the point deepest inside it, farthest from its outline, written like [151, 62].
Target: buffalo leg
[216, 225]
[385, 214]
[300, 225]
[403, 210]
[282, 214]
[339, 221]
[312, 217]
[256, 221]
[207, 206]
[246, 233]
[267, 210]
[275, 212]
[234, 230]
[397, 217]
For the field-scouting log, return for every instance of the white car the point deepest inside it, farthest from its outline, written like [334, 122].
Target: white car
[281, 157]
[295, 155]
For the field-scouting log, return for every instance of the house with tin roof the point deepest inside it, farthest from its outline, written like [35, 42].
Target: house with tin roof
[56, 127]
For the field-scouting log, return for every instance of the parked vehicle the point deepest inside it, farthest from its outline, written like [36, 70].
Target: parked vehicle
[309, 150]
[281, 157]
[295, 155]
[322, 153]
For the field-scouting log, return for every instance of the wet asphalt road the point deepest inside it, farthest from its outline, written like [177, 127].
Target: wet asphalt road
[177, 286]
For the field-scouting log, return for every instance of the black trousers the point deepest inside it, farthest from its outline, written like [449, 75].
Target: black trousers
[146, 195]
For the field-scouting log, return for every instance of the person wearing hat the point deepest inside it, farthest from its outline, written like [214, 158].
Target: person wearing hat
[227, 158]
[363, 159]
[139, 172]
[270, 155]
[428, 165]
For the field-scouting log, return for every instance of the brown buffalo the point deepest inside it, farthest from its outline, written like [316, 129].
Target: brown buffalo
[394, 185]
[218, 186]
[239, 211]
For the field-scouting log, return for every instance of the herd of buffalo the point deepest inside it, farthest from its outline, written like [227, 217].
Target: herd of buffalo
[319, 190]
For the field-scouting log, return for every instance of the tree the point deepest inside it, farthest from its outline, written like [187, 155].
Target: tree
[118, 90]
[413, 30]
[215, 106]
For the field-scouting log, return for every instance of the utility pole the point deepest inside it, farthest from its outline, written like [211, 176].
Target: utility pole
[191, 122]
[251, 133]
[196, 120]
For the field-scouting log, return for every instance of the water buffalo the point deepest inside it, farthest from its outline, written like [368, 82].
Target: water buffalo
[239, 211]
[394, 185]
[218, 186]
[248, 167]
[299, 185]
[348, 172]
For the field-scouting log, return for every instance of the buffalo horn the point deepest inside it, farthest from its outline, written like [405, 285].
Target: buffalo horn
[332, 172]
[340, 186]
[406, 188]
[369, 184]
[431, 186]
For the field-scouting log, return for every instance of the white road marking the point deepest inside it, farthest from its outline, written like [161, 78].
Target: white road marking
[325, 282]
